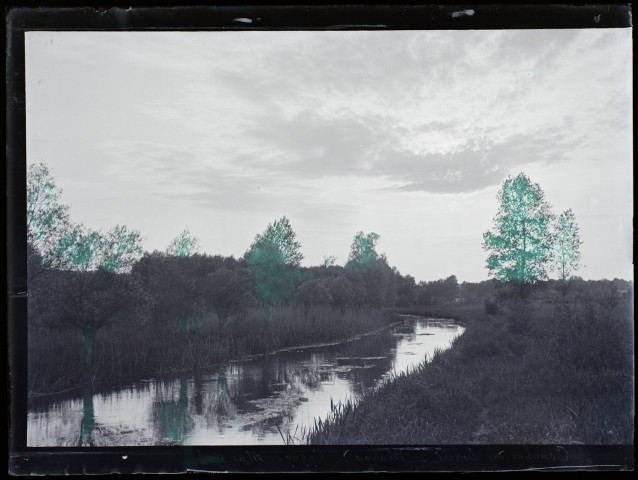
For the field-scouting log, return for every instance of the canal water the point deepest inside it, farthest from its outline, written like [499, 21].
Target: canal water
[261, 401]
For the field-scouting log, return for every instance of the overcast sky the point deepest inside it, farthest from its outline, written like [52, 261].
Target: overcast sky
[408, 134]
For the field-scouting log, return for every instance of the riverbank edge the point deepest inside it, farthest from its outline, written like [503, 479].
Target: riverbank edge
[504, 390]
[393, 314]
[318, 345]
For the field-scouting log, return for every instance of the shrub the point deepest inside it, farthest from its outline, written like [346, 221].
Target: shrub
[519, 315]
[491, 306]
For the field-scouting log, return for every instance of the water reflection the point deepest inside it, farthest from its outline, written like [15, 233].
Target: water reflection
[252, 402]
[170, 416]
[88, 418]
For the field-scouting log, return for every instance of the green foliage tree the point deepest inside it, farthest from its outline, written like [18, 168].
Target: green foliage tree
[82, 249]
[380, 284]
[82, 288]
[363, 254]
[358, 287]
[424, 293]
[45, 213]
[406, 290]
[566, 251]
[121, 248]
[86, 301]
[91, 291]
[329, 261]
[376, 283]
[341, 292]
[50, 234]
[175, 284]
[227, 292]
[183, 245]
[61, 244]
[311, 293]
[273, 260]
[86, 250]
[444, 290]
[376, 276]
[519, 247]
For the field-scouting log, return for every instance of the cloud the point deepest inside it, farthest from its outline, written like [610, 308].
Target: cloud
[339, 130]
[475, 166]
[267, 197]
[371, 146]
[315, 146]
[442, 112]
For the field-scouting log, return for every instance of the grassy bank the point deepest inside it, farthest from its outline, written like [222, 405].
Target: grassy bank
[534, 374]
[124, 353]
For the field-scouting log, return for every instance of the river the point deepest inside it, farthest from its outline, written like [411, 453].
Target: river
[259, 401]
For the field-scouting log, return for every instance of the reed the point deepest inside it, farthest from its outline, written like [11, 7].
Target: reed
[535, 374]
[125, 352]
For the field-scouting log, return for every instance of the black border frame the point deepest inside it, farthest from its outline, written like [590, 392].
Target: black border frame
[59, 461]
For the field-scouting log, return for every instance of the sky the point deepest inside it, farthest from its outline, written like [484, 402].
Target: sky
[409, 134]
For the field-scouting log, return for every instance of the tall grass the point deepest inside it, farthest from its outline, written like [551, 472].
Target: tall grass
[125, 352]
[535, 374]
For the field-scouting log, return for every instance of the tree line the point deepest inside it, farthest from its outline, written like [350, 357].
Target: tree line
[83, 280]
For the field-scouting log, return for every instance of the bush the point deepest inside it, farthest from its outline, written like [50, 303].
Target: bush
[519, 315]
[312, 293]
[593, 335]
[491, 306]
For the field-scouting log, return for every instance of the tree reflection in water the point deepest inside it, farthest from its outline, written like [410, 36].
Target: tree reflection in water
[88, 418]
[224, 405]
[171, 417]
[247, 402]
[198, 387]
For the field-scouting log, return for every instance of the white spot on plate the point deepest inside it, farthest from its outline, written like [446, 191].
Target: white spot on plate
[463, 13]
[243, 20]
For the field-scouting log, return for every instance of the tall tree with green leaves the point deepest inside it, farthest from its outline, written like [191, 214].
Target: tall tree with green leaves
[566, 251]
[92, 289]
[183, 245]
[62, 244]
[273, 259]
[86, 301]
[84, 287]
[519, 246]
[363, 254]
[45, 213]
[121, 248]
[50, 234]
